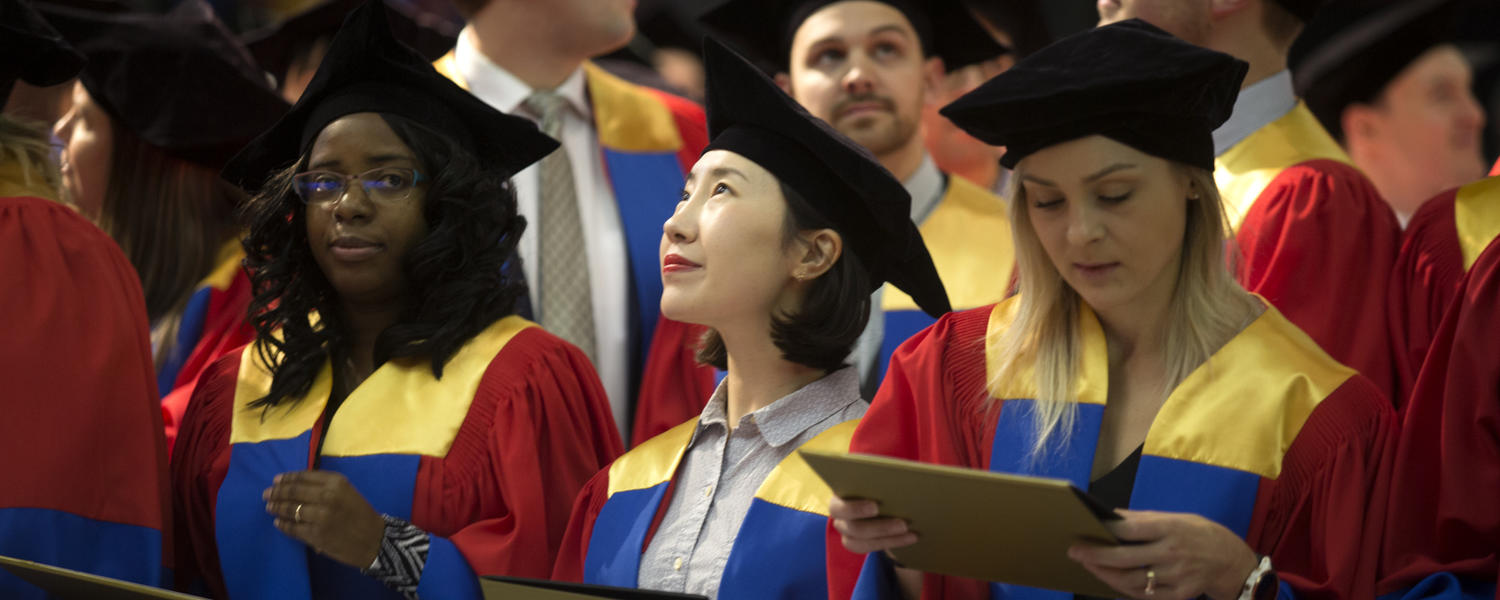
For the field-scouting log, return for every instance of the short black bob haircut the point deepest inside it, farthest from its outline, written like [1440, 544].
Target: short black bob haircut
[457, 274]
[833, 315]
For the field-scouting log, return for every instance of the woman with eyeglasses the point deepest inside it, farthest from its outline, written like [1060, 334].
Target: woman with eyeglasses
[394, 430]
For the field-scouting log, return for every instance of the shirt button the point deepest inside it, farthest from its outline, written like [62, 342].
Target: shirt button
[708, 491]
[677, 564]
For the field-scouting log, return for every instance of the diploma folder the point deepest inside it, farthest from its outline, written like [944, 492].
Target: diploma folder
[978, 524]
[67, 584]
[521, 588]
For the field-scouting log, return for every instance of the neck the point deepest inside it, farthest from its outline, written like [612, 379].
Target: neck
[502, 33]
[758, 375]
[365, 322]
[1135, 330]
[1244, 37]
[904, 161]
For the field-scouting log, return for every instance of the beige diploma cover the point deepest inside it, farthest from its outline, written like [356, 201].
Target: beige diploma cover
[67, 584]
[978, 524]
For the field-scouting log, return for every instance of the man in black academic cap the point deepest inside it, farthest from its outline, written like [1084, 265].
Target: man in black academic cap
[1385, 79]
[596, 206]
[868, 68]
[1315, 238]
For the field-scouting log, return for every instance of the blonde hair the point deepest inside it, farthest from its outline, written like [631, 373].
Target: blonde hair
[1044, 340]
[28, 144]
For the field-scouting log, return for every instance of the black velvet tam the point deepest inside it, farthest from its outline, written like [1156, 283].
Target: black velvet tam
[181, 81]
[749, 115]
[368, 70]
[31, 50]
[1128, 81]
[764, 29]
[1354, 48]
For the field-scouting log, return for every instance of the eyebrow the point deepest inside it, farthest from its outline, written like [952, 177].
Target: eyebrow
[378, 159]
[717, 172]
[1097, 175]
[888, 27]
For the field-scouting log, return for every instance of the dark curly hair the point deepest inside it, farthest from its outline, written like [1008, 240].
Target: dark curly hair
[457, 272]
[822, 333]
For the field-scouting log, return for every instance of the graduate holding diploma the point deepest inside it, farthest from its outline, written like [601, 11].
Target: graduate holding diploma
[1245, 460]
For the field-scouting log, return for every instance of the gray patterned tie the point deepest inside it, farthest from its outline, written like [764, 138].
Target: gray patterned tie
[567, 309]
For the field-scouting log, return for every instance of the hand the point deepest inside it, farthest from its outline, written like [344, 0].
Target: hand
[863, 530]
[323, 510]
[1190, 556]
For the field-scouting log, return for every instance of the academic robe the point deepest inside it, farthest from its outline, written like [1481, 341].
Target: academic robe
[1271, 438]
[969, 237]
[1442, 535]
[1443, 239]
[1315, 238]
[650, 140]
[83, 481]
[486, 460]
[779, 550]
[213, 326]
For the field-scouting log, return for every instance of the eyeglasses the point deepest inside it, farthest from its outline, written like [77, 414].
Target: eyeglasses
[386, 185]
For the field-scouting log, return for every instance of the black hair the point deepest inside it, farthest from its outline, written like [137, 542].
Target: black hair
[455, 272]
[833, 314]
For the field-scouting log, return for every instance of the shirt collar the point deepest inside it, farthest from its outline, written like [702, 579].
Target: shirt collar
[1256, 106]
[925, 187]
[791, 415]
[504, 91]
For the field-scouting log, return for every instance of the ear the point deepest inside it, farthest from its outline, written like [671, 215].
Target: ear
[1224, 8]
[933, 75]
[1361, 124]
[785, 82]
[820, 249]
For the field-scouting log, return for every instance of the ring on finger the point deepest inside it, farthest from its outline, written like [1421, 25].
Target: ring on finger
[297, 514]
[1150, 581]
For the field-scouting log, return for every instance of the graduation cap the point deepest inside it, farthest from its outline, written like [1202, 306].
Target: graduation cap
[765, 28]
[367, 70]
[1302, 9]
[31, 50]
[671, 24]
[278, 46]
[179, 81]
[1355, 48]
[749, 115]
[1127, 81]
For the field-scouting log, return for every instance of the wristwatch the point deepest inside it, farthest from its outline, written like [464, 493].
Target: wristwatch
[1262, 584]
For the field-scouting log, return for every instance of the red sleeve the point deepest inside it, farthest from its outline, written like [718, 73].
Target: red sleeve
[199, 462]
[1444, 515]
[575, 543]
[692, 125]
[1495, 170]
[1319, 521]
[1319, 243]
[538, 429]
[674, 387]
[1426, 279]
[929, 408]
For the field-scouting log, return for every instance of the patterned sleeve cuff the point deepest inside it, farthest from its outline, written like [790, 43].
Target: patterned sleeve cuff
[403, 554]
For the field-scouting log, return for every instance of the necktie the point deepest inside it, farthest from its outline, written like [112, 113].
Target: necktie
[566, 301]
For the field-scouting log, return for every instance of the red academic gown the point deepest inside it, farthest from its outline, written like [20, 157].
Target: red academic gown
[1443, 239]
[1296, 470]
[83, 481]
[213, 325]
[1315, 238]
[1443, 529]
[490, 472]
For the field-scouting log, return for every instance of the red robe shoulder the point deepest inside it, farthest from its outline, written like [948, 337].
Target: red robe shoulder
[1444, 515]
[1319, 243]
[1427, 276]
[538, 428]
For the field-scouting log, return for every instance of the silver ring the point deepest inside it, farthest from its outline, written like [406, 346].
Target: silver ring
[1150, 581]
[297, 518]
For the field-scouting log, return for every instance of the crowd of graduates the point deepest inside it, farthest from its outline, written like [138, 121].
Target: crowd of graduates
[369, 303]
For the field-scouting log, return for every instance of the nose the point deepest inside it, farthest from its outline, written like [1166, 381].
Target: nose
[353, 204]
[682, 226]
[858, 80]
[1084, 224]
[1471, 114]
